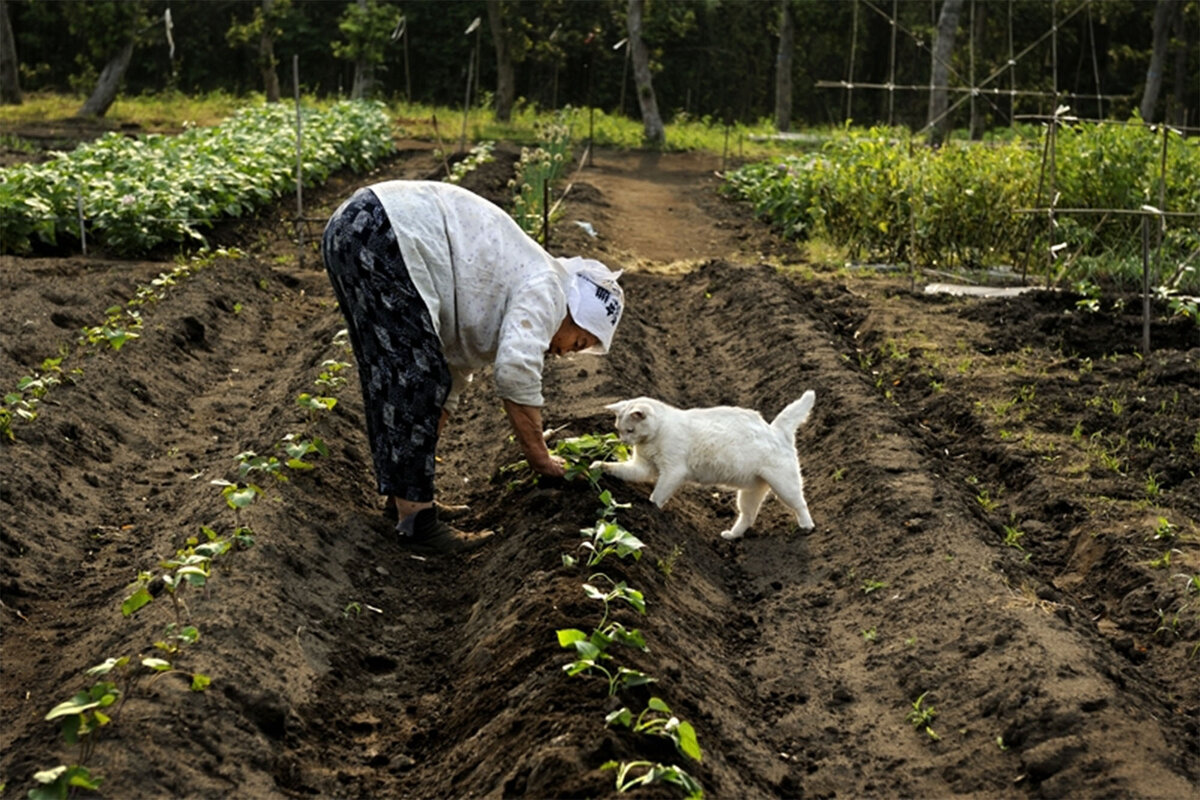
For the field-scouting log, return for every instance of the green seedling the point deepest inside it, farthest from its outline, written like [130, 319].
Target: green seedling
[591, 649]
[656, 719]
[192, 565]
[315, 405]
[620, 591]
[599, 640]
[871, 586]
[1152, 486]
[330, 380]
[238, 497]
[1012, 537]
[1163, 561]
[578, 453]
[297, 449]
[666, 566]
[623, 678]
[985, 501]
[1167, 624]
[250, 461]
[870, 635]
[177, 638]
[85, 713]
[921, 715]
[610, 538]
[653, 773]
[1165, 529]
[59, 783]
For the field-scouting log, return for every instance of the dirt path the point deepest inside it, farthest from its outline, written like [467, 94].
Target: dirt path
[656, 208]
[342, 666]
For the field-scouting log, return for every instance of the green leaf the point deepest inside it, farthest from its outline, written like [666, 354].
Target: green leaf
[156, 664]
[78, 704]
[687, 741]
[622, 716]
[569, 636]
[657, 704]
[200, 682]
[107, 666]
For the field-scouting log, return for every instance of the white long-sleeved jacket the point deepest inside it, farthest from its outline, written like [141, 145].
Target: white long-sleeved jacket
[495, 295]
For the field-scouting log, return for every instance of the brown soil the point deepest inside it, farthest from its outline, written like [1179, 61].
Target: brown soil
[1061, 663]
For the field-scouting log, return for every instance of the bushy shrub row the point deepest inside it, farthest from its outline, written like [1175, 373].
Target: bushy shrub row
[137, 193]
[883, 194]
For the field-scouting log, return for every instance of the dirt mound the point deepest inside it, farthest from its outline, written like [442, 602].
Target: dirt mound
[977, 611]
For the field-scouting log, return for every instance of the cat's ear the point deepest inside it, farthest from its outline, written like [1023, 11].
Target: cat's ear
[617, 406]
[637, 416]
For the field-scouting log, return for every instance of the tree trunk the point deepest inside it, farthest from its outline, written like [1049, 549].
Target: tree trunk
[1185, 36]
[506, 80]
[10, 84]
[1158, 58]
[364, 70]
[978, 36]
[108, 84]
[266, 53]
[652, 126]
[783, 67]
[939, 76]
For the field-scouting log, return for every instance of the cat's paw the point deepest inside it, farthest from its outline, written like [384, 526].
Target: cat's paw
[596, 465]
[730, 536]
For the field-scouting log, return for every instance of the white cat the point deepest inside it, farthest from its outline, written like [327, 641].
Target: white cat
[722, 446]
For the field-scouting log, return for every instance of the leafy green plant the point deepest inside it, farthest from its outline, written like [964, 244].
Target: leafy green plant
[249, 461]
[59, 783]
[536, 171]
[592, 649]
[1165, 529]
[228, 170]
[330, 379]
[297, 450]
[610, 538]
[985, 500]
[666, 566]
[653, 773]
[1012, 537]
[872, 586]
[314, 405]
[478, 155]
[920, 716]
[578, 452]
[656, 719]
[192, 565]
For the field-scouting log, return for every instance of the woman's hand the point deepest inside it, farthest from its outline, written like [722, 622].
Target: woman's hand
[552, 466]
[527, 425]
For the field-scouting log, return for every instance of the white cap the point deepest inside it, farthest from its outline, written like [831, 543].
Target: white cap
[594, 298]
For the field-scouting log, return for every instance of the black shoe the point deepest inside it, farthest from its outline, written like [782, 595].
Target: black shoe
[431, 536]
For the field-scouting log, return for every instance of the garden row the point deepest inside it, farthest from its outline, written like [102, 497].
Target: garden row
[115, 678]
[132, 194]
[882, 195]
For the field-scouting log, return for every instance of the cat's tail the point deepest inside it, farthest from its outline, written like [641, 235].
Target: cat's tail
[795, 414]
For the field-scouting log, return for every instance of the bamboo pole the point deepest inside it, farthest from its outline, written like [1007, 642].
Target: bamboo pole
[299, 163]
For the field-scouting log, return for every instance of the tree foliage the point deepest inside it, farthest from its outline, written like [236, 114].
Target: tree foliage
[708, 58]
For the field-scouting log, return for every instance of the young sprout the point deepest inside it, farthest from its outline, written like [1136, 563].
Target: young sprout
[610, 538]
[654, 773]
[921, 716]
[657, 720]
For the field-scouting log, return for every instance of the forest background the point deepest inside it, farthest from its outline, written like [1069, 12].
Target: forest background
[797, 62]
